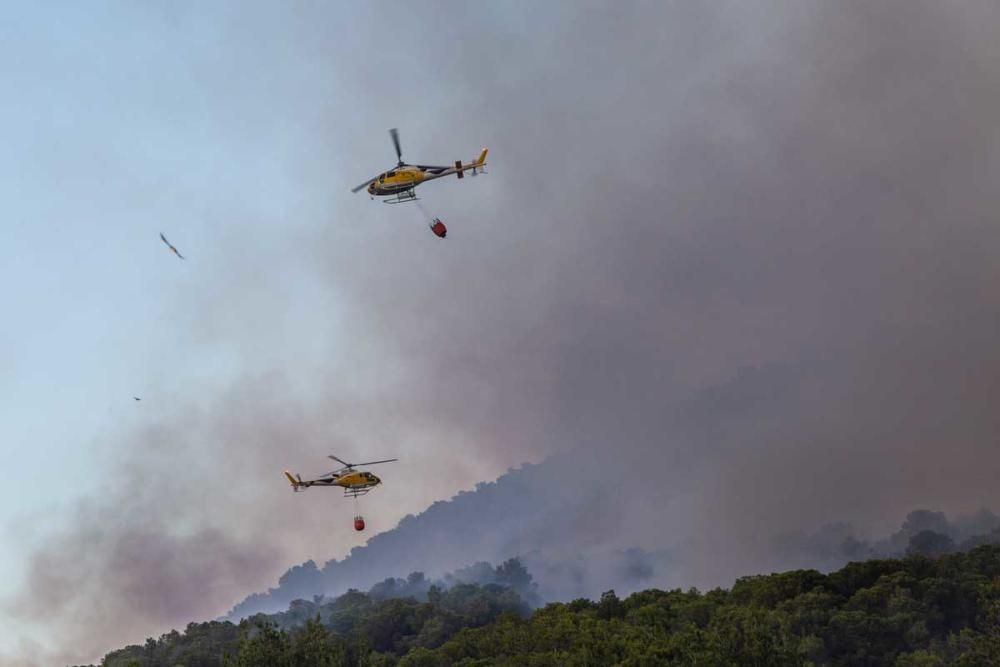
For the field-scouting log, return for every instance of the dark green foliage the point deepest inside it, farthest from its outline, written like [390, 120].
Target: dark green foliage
[609, 606]
[914, 612]
[314, 645]
[262, 644]
[201, 645]
[354, 629]
[770, 590]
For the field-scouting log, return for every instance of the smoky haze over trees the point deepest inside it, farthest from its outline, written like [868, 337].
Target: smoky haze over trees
[522, 514]
[916, 611]
[737, 263]
[525, 513]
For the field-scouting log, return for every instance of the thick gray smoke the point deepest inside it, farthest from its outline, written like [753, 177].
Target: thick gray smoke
[742, 257]
[522, 511]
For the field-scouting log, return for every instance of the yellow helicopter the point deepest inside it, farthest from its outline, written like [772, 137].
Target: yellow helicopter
[399, 183]
[354, 482]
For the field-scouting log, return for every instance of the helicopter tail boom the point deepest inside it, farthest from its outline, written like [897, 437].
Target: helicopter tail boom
[477, 164]
[297, 484]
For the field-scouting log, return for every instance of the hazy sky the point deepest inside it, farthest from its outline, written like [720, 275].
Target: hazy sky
[748, 251]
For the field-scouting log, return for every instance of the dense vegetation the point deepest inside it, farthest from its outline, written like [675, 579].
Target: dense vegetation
[910, 612]
[354, 629]
[528, 506]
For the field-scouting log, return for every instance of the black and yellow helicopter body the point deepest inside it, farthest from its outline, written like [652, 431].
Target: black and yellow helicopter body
[400, 182]
[354, 482]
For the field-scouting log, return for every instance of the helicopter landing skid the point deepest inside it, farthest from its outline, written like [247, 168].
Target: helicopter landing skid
[402, 197]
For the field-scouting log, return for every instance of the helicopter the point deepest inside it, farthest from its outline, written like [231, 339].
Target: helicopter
[354, 482]
[399, 183]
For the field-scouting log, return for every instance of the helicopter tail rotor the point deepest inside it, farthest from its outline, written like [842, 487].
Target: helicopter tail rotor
[295, 481]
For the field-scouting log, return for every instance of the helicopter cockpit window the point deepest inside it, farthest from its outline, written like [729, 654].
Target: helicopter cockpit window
[391, 173]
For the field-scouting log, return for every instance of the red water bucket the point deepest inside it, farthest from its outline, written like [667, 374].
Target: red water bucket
[439, 229]
[359, 523]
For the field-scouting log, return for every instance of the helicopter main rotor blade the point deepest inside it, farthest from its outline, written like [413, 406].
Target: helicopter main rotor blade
[394, 133]
[371, 463]
[364, 185]
[346, 464]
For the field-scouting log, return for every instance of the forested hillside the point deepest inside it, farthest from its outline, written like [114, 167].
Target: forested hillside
[910, 612]
[565, 541]
[561, 537]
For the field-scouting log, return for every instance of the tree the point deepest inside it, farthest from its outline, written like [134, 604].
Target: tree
[915, 612]
[609, 606]
[930, 544]
[262, 645]
[315, 646]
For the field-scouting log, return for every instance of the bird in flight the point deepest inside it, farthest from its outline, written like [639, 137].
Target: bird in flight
[170, 246]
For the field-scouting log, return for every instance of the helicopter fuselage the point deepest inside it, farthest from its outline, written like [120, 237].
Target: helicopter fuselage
[350, 480]
[395, 181]
[357, 479]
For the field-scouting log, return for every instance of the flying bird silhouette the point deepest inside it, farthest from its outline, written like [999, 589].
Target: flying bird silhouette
[170, 246]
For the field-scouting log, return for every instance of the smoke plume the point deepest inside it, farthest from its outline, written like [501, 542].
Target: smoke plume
[738, 262]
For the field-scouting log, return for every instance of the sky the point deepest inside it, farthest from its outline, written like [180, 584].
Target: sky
[742, 255]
